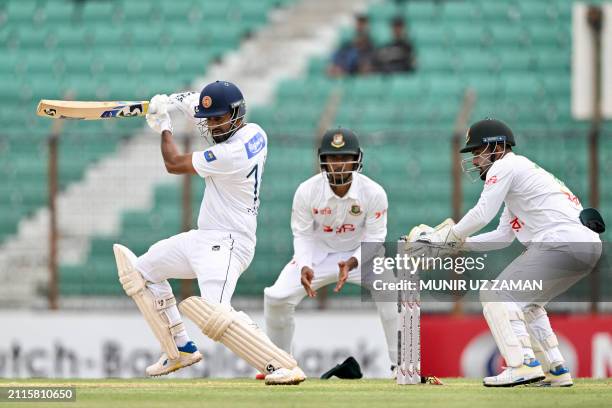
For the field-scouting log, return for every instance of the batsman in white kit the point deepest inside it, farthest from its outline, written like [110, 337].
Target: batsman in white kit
[219, 250]
[561, 240]
[332, 214]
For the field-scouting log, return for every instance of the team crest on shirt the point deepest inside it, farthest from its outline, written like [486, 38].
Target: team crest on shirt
[355, 209]
[209, 156]
[338, 141]
[206, 101]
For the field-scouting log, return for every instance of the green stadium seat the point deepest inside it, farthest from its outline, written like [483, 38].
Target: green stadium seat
[98, 12]
[508, 35]
[58, 12]
[453, 11]
[522, 87]
[430, 35]
[421, 10]
[463, 35]
[494, 11]
[21, 12]
[477, 61]
[132, 11]
[553, 60]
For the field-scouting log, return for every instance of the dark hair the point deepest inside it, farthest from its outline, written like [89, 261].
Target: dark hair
[398, 21]
[362, 17]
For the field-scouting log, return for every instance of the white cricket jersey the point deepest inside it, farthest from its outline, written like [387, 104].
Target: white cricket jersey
[535, 201]
[324, 223]
[232, 172]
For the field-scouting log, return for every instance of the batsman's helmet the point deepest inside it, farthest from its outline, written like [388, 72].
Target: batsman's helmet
[217, 99]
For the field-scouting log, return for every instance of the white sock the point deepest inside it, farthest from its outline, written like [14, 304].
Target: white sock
[163, 290]
[554, 355]
[181, 338]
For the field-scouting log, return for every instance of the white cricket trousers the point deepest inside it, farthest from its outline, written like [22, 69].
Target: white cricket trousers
[287, 292]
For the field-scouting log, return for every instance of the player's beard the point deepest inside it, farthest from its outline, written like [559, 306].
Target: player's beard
[484, 169]
[342, 176]
[483, 172]
[339, 179]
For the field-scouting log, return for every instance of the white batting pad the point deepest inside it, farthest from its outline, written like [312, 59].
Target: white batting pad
[237, 332]
[152, 308]
[498, 318]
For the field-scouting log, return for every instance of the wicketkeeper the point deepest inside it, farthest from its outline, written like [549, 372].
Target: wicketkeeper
[547, 218]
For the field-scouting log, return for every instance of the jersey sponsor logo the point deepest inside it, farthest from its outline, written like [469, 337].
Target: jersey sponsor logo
[516, 224]
[255, 145]
[209, 156]
[379, 214]
[491, 180]
[322, 211]
[571, 197]
[355, 210]
[341, 229]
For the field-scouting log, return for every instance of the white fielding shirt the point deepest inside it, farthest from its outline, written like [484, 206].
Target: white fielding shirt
[535, 201]
[324, 223]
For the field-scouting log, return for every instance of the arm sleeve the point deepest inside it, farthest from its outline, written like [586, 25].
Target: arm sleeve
[501, 238]
[215, 161]
[496, 187]
[302, 228]
[184, 102]
[375, 226]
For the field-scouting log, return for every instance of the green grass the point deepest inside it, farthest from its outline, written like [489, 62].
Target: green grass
[317, 393]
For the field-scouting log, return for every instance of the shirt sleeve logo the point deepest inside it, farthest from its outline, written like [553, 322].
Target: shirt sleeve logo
[209, 156]
[516, 224]
[491, 180]
[255, 145]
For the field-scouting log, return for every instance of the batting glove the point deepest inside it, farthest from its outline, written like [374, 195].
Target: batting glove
[158, 118]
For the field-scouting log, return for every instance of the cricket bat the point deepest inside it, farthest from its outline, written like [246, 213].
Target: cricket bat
[79, 110]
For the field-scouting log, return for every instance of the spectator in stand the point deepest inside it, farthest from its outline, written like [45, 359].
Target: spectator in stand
[398, 55]
[354, 56]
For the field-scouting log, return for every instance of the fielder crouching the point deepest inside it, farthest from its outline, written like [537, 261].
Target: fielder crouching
[220, 249]
[547, 218]
[332, 214]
